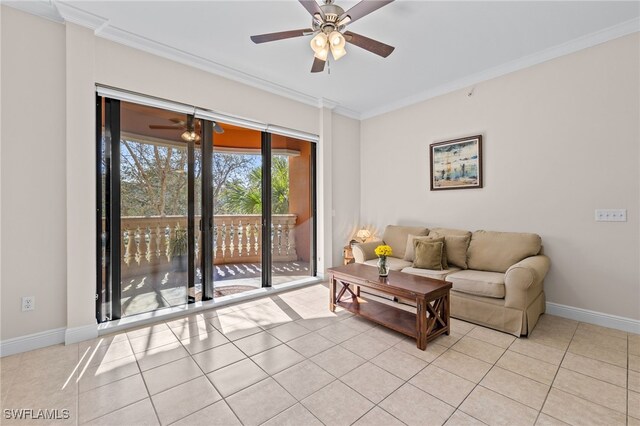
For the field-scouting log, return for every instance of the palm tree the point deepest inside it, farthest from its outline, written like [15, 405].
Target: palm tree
[245, 196]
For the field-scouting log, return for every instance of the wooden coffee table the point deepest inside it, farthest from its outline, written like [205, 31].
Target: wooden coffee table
[431, 297]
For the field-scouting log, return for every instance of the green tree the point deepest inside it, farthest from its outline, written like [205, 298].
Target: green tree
[244, 196]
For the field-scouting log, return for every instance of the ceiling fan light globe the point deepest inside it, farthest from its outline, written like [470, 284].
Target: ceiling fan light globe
[338, 52]
[323, 53]
[319, 42]
[337, 39]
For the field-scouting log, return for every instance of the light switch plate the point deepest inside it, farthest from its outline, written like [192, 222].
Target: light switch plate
[611, 215]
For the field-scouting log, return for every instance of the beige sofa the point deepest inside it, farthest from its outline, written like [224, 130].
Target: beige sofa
[497, 276]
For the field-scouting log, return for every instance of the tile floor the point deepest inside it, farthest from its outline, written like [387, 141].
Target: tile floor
[285, 359]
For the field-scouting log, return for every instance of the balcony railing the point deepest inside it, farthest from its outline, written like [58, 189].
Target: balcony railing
[237, 239]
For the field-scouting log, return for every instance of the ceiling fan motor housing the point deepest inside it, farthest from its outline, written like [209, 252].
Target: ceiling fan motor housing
[332, 13]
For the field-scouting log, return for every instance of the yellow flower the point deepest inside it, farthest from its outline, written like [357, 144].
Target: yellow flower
[383, 251]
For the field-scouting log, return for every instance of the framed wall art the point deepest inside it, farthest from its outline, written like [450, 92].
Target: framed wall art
[456, 164]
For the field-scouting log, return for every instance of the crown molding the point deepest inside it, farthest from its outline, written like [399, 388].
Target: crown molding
[349, 113]
[80, 17]
[572, 46]
[42, 8]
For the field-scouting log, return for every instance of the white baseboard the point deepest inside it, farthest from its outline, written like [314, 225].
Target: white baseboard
[592, 317]
[32, 341]
[78, 334]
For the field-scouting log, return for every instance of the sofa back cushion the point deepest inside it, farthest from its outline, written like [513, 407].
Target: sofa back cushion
[396, 237]
[456, 245]
[497, 251]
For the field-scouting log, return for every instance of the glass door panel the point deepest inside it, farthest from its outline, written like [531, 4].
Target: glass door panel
[236, 191]
[291, 209]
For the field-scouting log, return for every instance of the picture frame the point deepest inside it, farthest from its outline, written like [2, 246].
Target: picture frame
[456, 163]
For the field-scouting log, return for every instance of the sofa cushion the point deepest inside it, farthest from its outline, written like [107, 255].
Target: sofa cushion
[430, 273]
[497, 251]
[409, 252]
[394, 263]
[456, 244]
[429, 254]
[396, 237]
[479, 283]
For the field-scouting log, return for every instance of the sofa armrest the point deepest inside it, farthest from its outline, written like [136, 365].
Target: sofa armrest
[365, 251]
[523, 281]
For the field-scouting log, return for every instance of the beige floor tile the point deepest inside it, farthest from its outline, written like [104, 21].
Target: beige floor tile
[447, 341]
[399, 363]
[316, 323]
[372, 382]
[101, 374]
[185, 399]
[141, 413]
[289, 331]
[203, 342]
[462, 419]
[632, 421]
[574, 410]
[108, 350]
[634, 404]
[462, 365]
[338, 332]
[310, 344]
[277, 359]
[443, 385]
[592, 328]
[144, 343]
[378, 417]
[535, 369]
[496, 338]
[531, 349]
[633, 381]
[192, 329]
[591, 350]
[365, 346]
[260, 402]
[461, 327]
[634, 344]
[303, 379]
[546, 420]
[105, 399]
[553, 320]
[235, 377]
[432, 351]
[549, 337]
[182, 322]
[218, 357]
[477, 349]
[170, 375]
[161, 355]
[337, 404]
[10, 362]
[294, 416]
[385, 335]
[337, 361]
[591, 389]
[634, 362]
[492, 408]
[24, 394]
[146, 330]
[597, 369]
[359, 323]
[415, 407]
[257, 343]
[605, 340]
[236, 330]
[216, 414]
[517, 387]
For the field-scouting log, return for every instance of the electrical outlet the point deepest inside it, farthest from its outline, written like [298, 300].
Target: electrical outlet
[611, 215]
[28, 303]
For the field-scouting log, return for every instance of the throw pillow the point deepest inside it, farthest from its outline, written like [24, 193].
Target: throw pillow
[428, 255]
[456, 247]
[409, 253]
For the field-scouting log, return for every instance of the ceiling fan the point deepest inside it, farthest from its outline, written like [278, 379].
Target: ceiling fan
[191, 130]
[328, 28]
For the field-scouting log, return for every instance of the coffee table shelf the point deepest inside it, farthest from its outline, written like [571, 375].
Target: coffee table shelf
[394, 318]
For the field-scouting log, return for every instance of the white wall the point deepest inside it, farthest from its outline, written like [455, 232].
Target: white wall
[47, 168]
[560, 140]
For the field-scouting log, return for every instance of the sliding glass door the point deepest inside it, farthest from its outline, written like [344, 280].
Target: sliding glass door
[190, 209]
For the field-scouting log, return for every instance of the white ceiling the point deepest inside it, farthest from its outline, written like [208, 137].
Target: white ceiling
[437, 43]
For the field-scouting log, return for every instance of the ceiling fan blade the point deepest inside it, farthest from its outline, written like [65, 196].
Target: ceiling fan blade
[178, 121]
[369, 44]
[318, 65]
[364, 8]
[217, 128]
[312, 7]
[160, 127]
[263, 38]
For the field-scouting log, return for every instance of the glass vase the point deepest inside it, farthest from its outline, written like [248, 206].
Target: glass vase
[383, 267]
